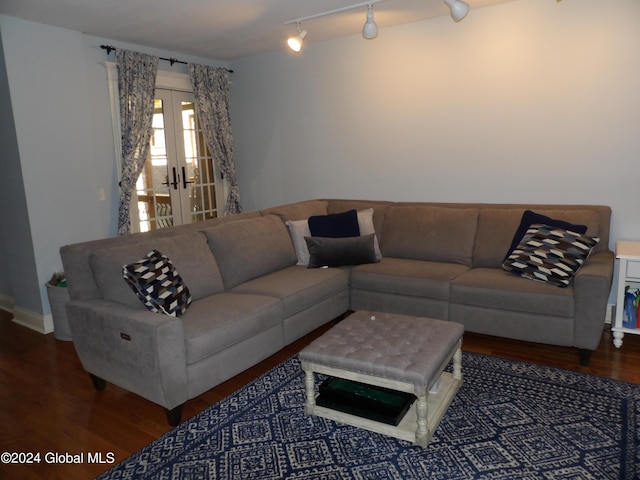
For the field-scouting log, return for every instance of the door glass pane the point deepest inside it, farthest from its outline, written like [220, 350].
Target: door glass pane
[154, 200]
[199, 168]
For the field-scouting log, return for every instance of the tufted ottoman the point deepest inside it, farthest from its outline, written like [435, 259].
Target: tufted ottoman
[399, 352]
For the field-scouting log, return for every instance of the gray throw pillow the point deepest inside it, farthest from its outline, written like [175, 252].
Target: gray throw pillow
[337, 252]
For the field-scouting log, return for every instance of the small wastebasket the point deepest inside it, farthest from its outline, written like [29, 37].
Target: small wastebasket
[58, 297]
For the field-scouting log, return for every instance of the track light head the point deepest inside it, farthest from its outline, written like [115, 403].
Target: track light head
[458, 8]
[295, 42]
[370, 29]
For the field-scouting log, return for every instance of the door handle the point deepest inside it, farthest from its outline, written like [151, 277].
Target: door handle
[184, 178]
[175, 179]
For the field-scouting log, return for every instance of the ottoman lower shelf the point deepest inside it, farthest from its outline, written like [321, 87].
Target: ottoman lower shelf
[360, 399]
[437, 404]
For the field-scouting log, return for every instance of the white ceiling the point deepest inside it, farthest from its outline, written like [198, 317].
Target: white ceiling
[220, 29]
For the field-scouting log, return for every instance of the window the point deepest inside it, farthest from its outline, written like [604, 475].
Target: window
[178, 184]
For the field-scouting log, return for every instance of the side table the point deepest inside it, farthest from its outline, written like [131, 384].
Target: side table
[628, 255]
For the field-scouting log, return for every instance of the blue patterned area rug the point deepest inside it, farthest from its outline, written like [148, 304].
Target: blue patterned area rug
[510, 420]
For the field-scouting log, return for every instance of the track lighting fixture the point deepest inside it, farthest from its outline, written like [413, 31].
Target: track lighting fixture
[295, 42]
[458, 8]
[370, 29]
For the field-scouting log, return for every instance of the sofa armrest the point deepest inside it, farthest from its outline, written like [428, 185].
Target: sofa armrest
[138, 350]
[592, 286]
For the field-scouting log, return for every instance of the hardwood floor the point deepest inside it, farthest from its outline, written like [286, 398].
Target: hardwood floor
[48, 404]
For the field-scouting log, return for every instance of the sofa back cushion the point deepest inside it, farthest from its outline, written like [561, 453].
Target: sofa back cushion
[298, 211]
[437, 234]
[251, 248]
[75, 257]
[497, 226]
[189, 254]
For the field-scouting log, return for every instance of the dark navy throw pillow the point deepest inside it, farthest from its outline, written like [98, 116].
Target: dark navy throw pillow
[335, 225]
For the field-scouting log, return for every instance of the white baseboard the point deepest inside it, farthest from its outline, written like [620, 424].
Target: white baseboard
[6, 303]
[608, 318]
[27, 318]
[33, 320]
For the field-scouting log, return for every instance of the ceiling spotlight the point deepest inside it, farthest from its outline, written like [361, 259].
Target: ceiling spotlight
[295, 42]
[370, 29]
[458, 8]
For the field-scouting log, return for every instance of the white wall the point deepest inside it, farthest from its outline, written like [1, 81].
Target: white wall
[528, 101]
[15, 242]
[49, 99]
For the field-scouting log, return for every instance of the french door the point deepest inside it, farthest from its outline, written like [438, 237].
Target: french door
[178, 183]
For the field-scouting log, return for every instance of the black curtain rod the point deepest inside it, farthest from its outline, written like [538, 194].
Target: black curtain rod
[110, 49]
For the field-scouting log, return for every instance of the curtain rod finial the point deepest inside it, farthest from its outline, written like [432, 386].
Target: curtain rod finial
[108, 48]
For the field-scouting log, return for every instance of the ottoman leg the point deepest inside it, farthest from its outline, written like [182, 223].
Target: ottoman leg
[457, 364]
[422, 432]
[309, 388]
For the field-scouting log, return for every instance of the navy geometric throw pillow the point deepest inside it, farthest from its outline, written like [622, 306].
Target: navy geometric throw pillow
[549, 254]
[530, 217]
[157, 284]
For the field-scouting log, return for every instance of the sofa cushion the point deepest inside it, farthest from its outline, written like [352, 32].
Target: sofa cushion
[436, 234]
[497, 289]
[407, 277]
[217, 322]
[298, 211]
[338, 252]
[335, 225]
[298, 287]
[158, 284]
[250, 248]
[497, 226]
[189, 253]
[549, 254]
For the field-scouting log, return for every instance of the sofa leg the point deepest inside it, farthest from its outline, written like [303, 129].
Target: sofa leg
[174, 415]
[98, 383]
[585, 356]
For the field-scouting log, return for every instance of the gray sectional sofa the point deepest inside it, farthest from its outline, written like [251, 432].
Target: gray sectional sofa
[251, 295]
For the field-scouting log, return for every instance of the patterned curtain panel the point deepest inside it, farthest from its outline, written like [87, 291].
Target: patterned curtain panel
[211, 90]
[136, 85]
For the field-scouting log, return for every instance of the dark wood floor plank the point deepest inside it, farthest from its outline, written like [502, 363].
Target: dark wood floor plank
[48, 403]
